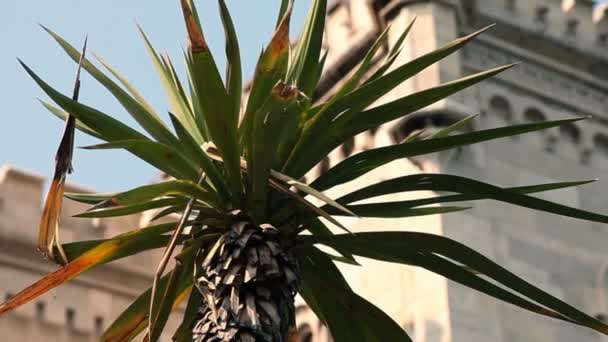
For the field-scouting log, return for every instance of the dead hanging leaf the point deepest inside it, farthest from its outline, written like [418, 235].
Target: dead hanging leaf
[48, 235]
[51, 217]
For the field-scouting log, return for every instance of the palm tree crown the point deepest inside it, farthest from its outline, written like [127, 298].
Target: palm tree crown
[249, 227]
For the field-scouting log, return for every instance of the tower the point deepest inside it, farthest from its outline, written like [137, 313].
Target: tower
[563, 47]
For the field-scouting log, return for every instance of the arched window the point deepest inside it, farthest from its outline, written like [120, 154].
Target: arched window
[310, 329]
[569, 139]
[305, 333]
[348, 147]
[570, 132]
[542, 12]
[423, 122]
[325, 165]
[500, 107]
[601, 143]
[572, 26]
[534, 115]
[543, 139]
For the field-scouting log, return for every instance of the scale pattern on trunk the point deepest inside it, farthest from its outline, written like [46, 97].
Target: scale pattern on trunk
[249, 281]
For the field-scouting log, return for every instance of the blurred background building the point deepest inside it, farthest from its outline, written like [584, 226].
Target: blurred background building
[80, 310]
[564, 48]
[563, 45]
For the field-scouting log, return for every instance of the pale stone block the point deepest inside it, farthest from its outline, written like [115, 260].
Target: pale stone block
[475, 232]
[117, 225]
[20, 194]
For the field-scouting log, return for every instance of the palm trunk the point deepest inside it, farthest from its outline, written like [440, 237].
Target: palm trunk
[249, 282]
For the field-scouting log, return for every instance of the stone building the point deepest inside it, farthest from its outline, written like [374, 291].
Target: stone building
[80, 310]
[564, 49]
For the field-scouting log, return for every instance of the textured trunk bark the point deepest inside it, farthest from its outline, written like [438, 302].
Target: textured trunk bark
[248, 281]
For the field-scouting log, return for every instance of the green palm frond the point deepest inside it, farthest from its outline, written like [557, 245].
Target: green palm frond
[253, 152]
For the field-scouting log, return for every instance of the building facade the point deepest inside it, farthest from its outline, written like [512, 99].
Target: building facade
[80, 310]
[564, 49]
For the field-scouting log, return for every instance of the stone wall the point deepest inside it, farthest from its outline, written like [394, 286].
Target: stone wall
[564, 48]
[84, 307]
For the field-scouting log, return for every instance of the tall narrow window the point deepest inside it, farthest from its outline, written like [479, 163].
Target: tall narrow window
[601, 144]
[98, 325]
[571, 27]
[542, 13]
[510, 5]
[602, 39]
[40, 309]
[70, 317]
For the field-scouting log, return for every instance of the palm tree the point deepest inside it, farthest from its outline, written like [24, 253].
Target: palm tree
[249, 230]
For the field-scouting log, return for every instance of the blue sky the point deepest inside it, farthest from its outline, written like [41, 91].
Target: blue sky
[29, 134]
